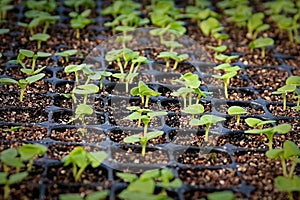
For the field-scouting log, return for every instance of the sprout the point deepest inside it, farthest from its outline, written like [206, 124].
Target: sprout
[40, 37]
[30, 152]
[144, 92]
[269, 132]
[4, 7]
[10, 180]
[226, 79]
[238, 111]
[10, 157]
[79, 21]
[288, 185]
[209, 25]
[100, 195]
[284, 90]
[218, 49]
[67, 54]
[99, 75]
[80, 159]
[194, 109]
[261, 43]
[22, 83]
[257, 123]
[206, 120]
[255, 25]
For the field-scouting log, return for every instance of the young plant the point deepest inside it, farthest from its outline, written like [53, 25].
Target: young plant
[100, 75]
[256, 25]
[4, 7]
[10, 158]
[40, 37]
[80, 21]
[144, 92]
[145, 137]
[284, 90]
[143, 187]
[7, 181]
[77, 3]
[290, 24]
[288, 185]
[269, 132]
[85, 90]
[261, 43]
[27, 54]
[237, 111]
[194, 109]
[85, 68]
[125, 38]
[22, 83]
[226, 58]
[183, 92]
[66, 54]
[226, 79]
[218, 49]
[209, 26]
[99, 195]
[257, 123]
[208, 121]
[31, 152]
[79, 158]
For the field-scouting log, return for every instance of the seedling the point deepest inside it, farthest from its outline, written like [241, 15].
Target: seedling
[239, 15]
[208, 121]
[125, 38]
[100, 75]
[237, 111]
[143, 187]
[48, 5]
[218, 49]
[256, 25]
[290, 151]
[194, 109]
[140, 111]
[226, 79]
[4, 7]
[86, 90]
[80, 21]
[121, 7]
[261, 43]
[81, 111]
[257, 123]
[80, 159]
[22, 83]
[66, 54]
[289, 24]
[77, 3]
[220, 37]
[40, 37]
[183, 92]
[269, 132]
[277, 7]
[284, 90]
[31, 152]
[100, 195]
[226, 67]
[144, 92]
[288, 185]
[9, 157]
[24, 53]
[85, 68]
[226, 58]
[7, 181]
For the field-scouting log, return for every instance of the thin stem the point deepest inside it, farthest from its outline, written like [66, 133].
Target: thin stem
[175, 65]
[206, 132]
[184, 100]
[270, 138]
[127, 83]
[22, 94]
[290, 194]
[145, 129]
[263, 52]
[120, 66]
[79, 173]
[33, 63]
[30, 164]
[39, 44]
[46, 27]
[143, 149]
[6, 191]
[147, 101]
[283, 164]
[238, 120]
[225, 91]
[168, 62]
[77, 33]
[284, 101]
[292, 169]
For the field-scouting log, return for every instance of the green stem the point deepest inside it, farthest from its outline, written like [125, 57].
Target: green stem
[168, 62]
[225, 90]
[263, 52]
[175, 65]
[291, 37]
[22, 94]
[145, 129]
[77, 33]
[270, 138]
[101, 83]
[283, 164]
[39, 44]
[46, 27]
[238, 120]
[290, 194]
[127, 83]
[76, 77]
[142, 99]
[79, 173]
[120, 66]
[144, 149]
[292, 169]
[33, 63]
[147, 101]
[85, 98]
[184, 100]
[30, 165]
[206, 132]
[6, 191]
[74, 171]
[284, 101]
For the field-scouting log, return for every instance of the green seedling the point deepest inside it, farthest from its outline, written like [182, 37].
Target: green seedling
[288, 185]
[145, 116]
[143, 187]
[218, 49]
[31, 152]
[261, 43]
[100, 75]
[80, 21]
[209, 25]
[269, 132]
[226, 67]
[277, 7]
[289, 24]
[47, 5]
[40, 37]
[284, 90]
[66, 54]
[224, 195]
[226, 79]
[85, 90]
[4, 7]
[143, 140]
[208, 121]
[125, 38]
[121, 7]
[237, 111]
[183, 92]
[79, 158]
[172, 45]
[257, 123]
[7, 181]
[239, 15]
[226, 58]
[85, 68]
[220, 37]
[27, 54]
[81, 111]
[167, 56]
[77, 3]
[194, 109]
[289, 152]
[10, 158]
[256, 25]
[22, 83]
[144, 92]
[140, 111]
[115, 55]
[100, 195]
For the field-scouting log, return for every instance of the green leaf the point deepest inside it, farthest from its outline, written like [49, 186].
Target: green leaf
[194, 109]
[83, 109]
[130, 195]
[70, 196]
[156, 113]
[18, 177]
[133, 116]
[33, 79]
[132, 139]
[3, 178]
[119, 75]
[29, 151]
[285, 184]
[124, 28]
[4, 31]
[252, 122]
[40, 37]
[98, 75]
[274, 153]
[259, 131]
[145, 186]
[155, 134]
[97, 195]
[73, 68]
[9, 157]
[224, 195]
[293, 80]
[127, 176]
[27, 53]
[282, 128]
[43, 54]
[287, 88]
[8, 81]
[236, 110]
[290, 149]
[86, 89]
[261, 42]
[219, 49]
[173, 44]
[96, 158]
[208, 25]
[223, 66]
